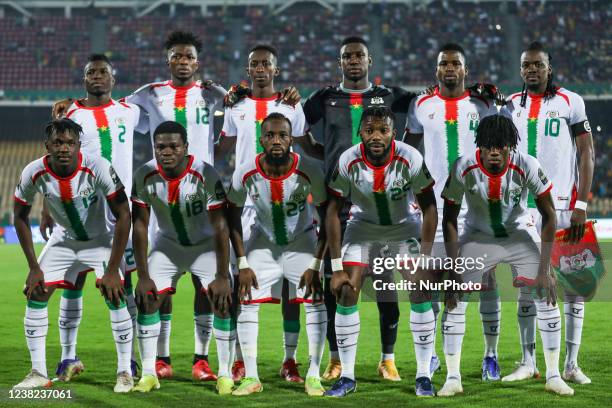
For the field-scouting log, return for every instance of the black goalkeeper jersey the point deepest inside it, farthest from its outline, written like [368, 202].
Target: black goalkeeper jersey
[341, 113]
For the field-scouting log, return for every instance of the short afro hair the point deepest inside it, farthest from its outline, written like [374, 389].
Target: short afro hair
[171, 127]
[62, 125]
[277, 116]
[182, 37]
[265, 47]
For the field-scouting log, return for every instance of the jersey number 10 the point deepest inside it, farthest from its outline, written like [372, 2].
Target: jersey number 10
[551, 127]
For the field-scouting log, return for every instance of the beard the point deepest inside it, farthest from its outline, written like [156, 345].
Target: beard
[378, 156]
[277, 160]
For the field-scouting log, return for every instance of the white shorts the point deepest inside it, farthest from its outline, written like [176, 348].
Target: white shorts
[248, 222]
[271, 263]
[62, 259]
[563, 218]
[521, 249]
[169, 260]
[363, 241]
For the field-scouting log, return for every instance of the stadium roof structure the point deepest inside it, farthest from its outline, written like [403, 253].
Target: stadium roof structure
[27, 7]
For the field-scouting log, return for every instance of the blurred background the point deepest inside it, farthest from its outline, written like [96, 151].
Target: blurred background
[45, 44]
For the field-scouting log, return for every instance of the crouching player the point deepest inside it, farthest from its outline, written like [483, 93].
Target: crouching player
[188, 200]
[74, 188]
[499, 229]
[282, 243]
[377, 176]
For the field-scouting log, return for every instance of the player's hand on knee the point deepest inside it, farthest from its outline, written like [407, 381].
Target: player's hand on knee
[145, 288]
[338, 281]
[46, 223]
[35, 279]
[60, 108]
[246, 281]
[547, 282]
[290, 96]
[220, 295]
[577, 221]
[111, 287]
[311, 280]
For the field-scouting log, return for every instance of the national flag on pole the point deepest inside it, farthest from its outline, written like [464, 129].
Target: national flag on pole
[579, 267]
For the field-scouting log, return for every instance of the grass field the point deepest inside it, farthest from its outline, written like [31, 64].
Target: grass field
[96, 350]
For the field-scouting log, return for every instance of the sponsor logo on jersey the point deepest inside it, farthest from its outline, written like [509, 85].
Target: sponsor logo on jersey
[86, 192]
[242, 116]
[297, 196]
[431, 115]
[377, 100]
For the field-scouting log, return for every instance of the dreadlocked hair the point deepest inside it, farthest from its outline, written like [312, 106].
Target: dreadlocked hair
[62, 125]
[497, 131]
[377, 111]
[551, 89]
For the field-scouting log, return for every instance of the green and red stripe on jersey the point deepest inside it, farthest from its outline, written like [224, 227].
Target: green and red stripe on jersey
[68, 199]
[356, 106]
[532, 135]
[379, 187]
[104, 134]
[494, 197]
[261, 112]
[451, 113]
[174, 203]
[180, 105]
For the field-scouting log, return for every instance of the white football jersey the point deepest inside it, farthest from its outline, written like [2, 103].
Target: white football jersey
[108, 132]
[244, 119]
[192, 106]
[544, 126]
[281, 204]
[380, 195]
[449, 127]
[76, 202]
[180, 204]
[496, 204]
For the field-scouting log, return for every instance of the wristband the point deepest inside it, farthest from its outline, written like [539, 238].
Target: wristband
[580, 205]
[242, 263]
[336, 264]
[315, 264]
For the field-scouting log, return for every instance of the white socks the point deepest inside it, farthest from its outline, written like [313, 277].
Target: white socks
[526, 313]
[36, 325]
[121, 324]
[248, 330]
[347, 333]
[203, 328]
[148, 330]
[574, 318]
[549, 325]
[453, 330]
[70, 313]
[316, 329]
[490, 315]
[163, 341]
[225, 337]
[422, 326]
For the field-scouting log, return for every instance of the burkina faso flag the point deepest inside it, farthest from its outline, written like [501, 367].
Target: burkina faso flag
[579, 267]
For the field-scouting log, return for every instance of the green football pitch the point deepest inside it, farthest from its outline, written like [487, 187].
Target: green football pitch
[96, 350]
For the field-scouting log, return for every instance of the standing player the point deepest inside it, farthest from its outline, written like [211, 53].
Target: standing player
[554, 128]
[242, 130]
[282, 243]
[108, 132]
[446, 122]
[188, 200]
[186, 101]
[378, 177]
[498, 229]
[75, 187]
[340, 108]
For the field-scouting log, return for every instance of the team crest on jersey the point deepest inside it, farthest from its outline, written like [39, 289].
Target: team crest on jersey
[552, 114]
[542, 177]
[201, 103]
[120, 121]
[515, 195]
[377, 100]
[86, 192]
[192, 197]
[399, 183]
[473, 116]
